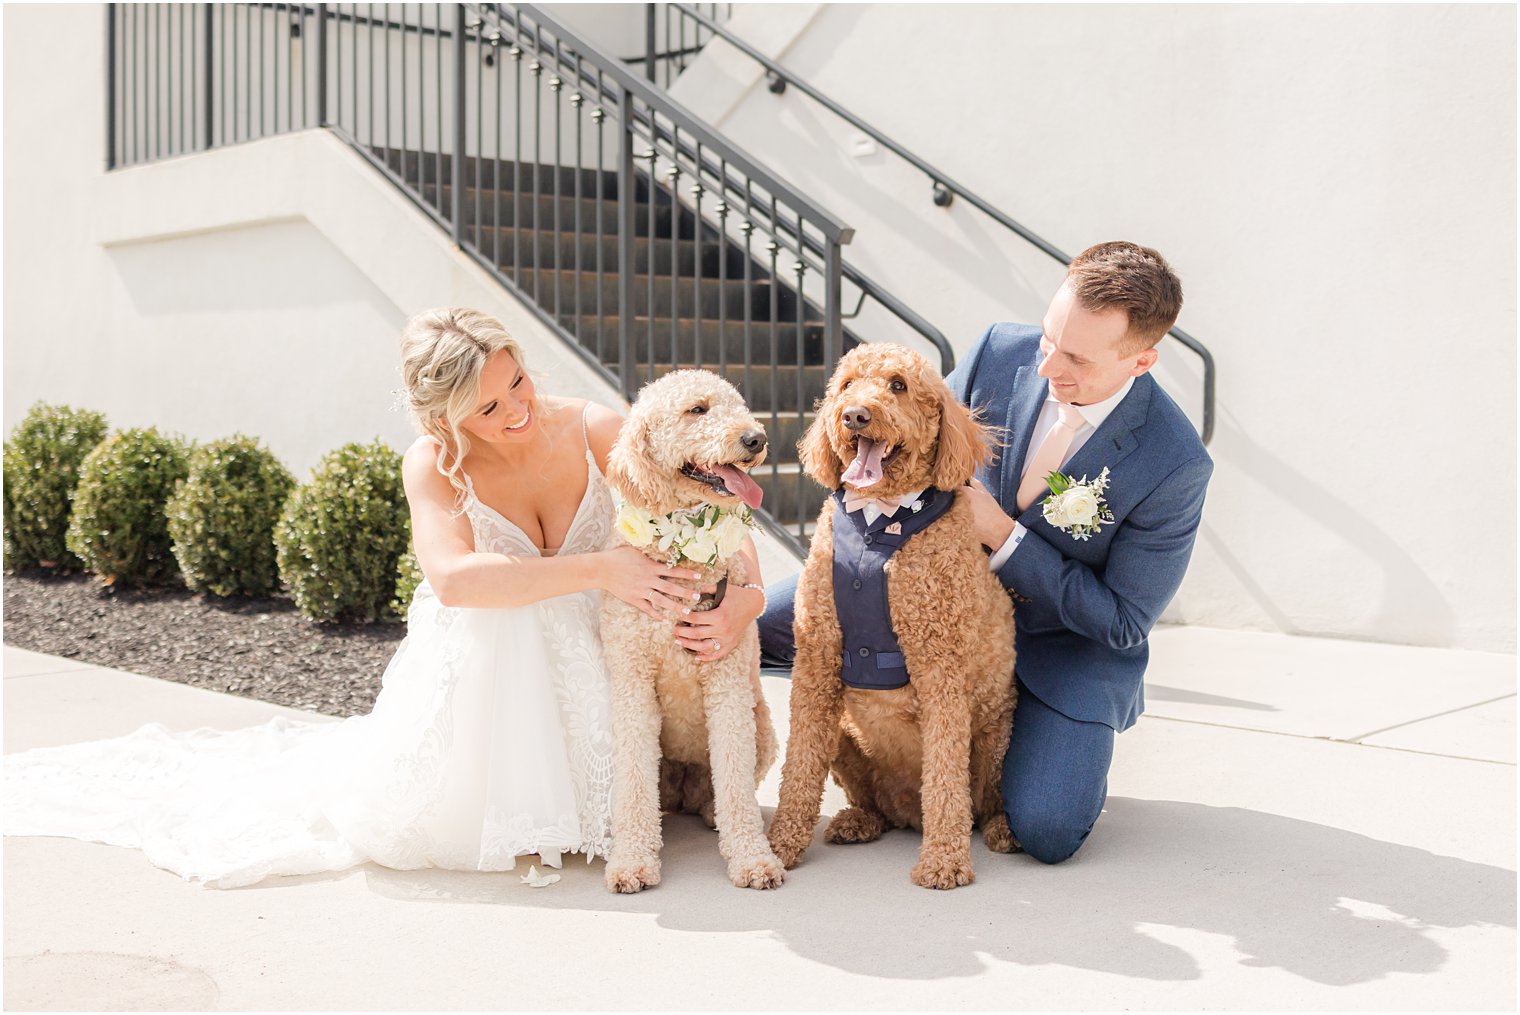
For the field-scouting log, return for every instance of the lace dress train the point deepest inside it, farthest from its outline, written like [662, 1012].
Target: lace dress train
[490, 739]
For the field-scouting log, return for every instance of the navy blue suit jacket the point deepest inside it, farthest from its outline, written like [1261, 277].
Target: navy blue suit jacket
[1081, 634]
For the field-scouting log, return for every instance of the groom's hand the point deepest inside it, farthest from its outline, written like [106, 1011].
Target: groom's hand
[992, 524]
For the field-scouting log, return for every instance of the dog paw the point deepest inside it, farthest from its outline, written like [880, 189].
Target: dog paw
[710, 815]
[998, 836]
[952, 871]
[627, 877]
[759, 871]
[854, 825]
[787, 850]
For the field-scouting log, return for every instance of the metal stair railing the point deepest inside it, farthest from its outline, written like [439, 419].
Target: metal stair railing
[627, 225]
[944, 188]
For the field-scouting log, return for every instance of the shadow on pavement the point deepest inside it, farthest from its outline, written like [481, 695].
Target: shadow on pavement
[1327, 905]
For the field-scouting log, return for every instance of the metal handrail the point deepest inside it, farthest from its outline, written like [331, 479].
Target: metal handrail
[946, 188]
[654, 97]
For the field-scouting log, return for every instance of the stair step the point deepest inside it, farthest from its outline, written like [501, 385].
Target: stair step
[428, 167]
[507, 208]
[790, 496]
[764, 390]
[592, 329]
[566, 292]
[536, 248]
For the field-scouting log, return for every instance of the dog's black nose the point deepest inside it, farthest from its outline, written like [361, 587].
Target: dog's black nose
[753, 441]
[856, 417]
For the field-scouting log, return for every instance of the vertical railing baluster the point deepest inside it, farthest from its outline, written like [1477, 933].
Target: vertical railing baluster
[626, 227]
[536, 68]
[833, 320]
[556, 86]
[516, 53]
[799, 484]
[654, 194]
[696, 268]
[599, 117]
[496, 191]
[353, 70]
[576, 101]
[480, 137]
[259, 11]
[386, 36]
[773, 248]
[369, 35]
[456, 176]
[247, 72]
[111, 89]
[321, 65]
[649, 41]
[154, 91]
[722, 244]
[438, 103]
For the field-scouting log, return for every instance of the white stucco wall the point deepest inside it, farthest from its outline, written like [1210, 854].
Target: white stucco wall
[258, 288]
[1334, 185]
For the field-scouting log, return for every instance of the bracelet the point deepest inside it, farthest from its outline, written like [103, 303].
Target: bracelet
[764, 599]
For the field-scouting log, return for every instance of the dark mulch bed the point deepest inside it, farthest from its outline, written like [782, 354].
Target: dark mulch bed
[259, 648]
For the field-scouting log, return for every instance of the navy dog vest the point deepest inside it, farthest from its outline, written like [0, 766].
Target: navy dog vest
[872, 657]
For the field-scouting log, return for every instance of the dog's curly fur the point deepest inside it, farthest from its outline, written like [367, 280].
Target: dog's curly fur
[928, 755]
[689, 736]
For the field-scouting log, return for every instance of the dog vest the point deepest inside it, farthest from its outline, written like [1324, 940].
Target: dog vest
[872, 657]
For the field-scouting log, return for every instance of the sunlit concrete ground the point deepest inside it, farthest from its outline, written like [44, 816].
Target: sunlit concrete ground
[1295, 824]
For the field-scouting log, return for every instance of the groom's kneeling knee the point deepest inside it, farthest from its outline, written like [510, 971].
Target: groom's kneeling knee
[1049, 837]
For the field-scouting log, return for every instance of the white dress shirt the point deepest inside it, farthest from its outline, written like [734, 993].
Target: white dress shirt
[1092, 418]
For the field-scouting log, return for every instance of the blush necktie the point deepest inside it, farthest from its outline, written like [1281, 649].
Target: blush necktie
[1050, 455]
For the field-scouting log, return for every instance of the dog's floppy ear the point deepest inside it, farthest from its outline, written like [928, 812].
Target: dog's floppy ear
[965, 445]
[626, 462]
[817, 454]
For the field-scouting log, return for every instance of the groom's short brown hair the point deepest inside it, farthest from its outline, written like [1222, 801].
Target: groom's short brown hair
[1126, 276]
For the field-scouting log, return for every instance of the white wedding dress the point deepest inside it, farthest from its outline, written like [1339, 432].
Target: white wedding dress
[490, 739]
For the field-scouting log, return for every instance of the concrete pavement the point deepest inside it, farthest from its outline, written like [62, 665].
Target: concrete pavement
[1296, 823]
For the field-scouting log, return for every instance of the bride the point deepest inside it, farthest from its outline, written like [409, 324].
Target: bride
[490, 738]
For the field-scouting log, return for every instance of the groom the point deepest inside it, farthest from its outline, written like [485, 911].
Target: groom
[1075, 397]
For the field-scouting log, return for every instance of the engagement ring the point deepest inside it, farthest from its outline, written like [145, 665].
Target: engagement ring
[716, 647]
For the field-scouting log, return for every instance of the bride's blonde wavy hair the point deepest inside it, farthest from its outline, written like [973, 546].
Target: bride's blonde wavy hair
[442, 354]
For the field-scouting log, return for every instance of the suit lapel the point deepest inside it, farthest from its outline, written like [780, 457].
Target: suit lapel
[1028, 394]
[1112, 442]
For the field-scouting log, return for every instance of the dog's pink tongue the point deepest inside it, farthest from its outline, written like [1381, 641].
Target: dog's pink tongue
[740, 485]
[865, 470]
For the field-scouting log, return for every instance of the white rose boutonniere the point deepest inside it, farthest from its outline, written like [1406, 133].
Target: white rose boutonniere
[1077, 506]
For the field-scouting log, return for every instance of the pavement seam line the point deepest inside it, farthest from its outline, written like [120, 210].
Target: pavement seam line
[1427, 718]
[48, 673]
[1333, 740]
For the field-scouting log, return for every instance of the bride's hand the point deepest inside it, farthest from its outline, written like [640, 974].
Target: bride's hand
[646, 584]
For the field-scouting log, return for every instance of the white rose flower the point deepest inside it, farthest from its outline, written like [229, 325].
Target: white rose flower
[635, 526]
[1079, 505]
[730, 533]
[701, 547]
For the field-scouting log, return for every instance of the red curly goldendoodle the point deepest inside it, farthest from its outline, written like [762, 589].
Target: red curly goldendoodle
[903, 680]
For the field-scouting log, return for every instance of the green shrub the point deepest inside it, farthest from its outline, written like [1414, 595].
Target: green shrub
[222, 517]
[42, 461]
[341, 534]
[118, 528]
[408, 577]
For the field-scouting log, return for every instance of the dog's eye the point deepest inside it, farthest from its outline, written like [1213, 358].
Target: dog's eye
[897, 385]
[697, 410]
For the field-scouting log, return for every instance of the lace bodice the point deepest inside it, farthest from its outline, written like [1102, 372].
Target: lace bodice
[496, 533]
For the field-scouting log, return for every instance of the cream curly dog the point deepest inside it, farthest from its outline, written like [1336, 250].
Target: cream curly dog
[690, 736]
[913, 713]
